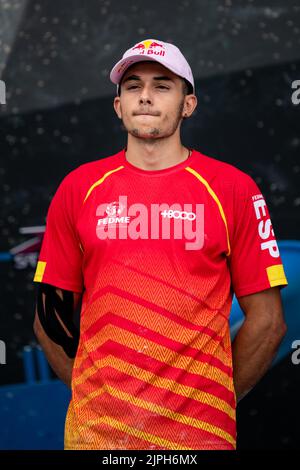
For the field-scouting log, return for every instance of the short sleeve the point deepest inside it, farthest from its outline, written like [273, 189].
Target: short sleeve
[255, 263]
[60, 258]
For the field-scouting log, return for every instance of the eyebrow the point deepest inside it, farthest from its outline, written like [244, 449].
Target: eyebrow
[160, 78]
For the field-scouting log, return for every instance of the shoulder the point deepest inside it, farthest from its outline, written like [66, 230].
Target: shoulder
[92, 170]
[73, 188]
[79, 180]
[223, 176]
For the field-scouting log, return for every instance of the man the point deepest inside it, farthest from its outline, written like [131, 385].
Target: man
[154, 241]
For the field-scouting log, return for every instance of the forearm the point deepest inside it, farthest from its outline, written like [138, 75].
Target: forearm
[55, 329]
[57, 358]
[253, 350]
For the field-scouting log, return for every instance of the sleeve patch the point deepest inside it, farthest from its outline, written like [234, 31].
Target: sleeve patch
[40, 269]
[276, 275]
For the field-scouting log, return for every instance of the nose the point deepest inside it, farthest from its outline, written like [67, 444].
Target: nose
[145, 96]
[144, 100]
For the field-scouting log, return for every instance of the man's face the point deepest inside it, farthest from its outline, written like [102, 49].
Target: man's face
[151, 102]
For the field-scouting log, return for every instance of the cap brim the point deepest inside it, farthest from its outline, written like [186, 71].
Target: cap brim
[120, 68]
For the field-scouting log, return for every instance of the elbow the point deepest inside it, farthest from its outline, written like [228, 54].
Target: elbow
[272, 327]
[279, 329]
[283, 329]
[37, 328]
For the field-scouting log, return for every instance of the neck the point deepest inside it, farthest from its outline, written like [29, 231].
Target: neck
[155, 155]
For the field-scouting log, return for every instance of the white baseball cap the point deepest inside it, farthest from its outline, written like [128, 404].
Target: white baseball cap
[152, 49]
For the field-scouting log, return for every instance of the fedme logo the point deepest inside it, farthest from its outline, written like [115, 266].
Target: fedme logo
[265, 229]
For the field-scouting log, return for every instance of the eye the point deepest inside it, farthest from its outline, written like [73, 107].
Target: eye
[131, 86]
[163, 86]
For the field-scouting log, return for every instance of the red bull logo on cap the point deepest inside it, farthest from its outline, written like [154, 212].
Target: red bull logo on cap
[149, 47]
[125, 64]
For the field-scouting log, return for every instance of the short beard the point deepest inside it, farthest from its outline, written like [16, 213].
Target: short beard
[155, 132]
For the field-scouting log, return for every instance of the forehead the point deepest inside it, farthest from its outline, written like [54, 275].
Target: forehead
[149, 69]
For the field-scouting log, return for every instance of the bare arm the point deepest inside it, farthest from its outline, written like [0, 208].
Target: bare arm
[56, 302]
[258, 339]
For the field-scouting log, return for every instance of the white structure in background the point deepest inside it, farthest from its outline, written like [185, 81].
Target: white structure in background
[2, 352]
[2, 92]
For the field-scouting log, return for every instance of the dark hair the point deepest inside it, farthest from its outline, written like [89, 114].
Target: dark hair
[187, 87]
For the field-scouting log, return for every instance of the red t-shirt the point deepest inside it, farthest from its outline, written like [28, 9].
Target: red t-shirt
[158, 256]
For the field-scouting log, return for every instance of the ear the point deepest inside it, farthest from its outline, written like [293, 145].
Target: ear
[189, 105]
[117, 107]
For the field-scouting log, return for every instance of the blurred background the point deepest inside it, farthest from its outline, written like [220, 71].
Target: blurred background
[55, 59]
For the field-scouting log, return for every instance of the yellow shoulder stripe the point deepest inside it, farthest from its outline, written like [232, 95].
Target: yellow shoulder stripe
[100, 181]
[215, 198]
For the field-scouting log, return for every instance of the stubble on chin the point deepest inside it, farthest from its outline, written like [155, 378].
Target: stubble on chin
[153, 132]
